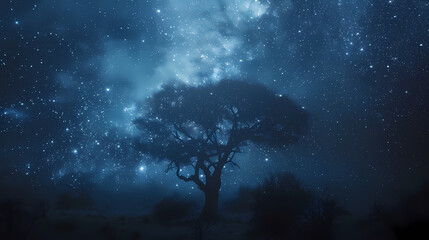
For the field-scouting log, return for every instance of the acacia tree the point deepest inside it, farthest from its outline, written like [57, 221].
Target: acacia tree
[202, 128]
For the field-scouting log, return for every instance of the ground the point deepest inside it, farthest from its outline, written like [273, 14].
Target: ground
[65, 225]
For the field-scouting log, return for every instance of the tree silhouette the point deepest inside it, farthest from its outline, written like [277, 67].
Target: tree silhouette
[200, 129]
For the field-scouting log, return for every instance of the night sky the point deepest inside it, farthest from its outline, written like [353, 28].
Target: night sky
[74, 75]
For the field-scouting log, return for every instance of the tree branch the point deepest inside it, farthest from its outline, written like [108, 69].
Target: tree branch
[233, 163]
[184, 132]
[194, 178]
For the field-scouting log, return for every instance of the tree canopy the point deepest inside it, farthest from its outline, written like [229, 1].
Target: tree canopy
[205, 126]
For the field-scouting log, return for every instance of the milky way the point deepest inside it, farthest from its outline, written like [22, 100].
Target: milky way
[74, 75]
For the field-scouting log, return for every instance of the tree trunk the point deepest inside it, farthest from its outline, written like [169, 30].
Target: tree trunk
[211, 194]
[209, 211]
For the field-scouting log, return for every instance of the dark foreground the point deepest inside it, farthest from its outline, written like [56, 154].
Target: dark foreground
[70, 225]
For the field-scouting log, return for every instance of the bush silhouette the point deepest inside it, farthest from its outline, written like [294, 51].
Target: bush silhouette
[82, 201]
[244, 203]
[11, 220]
[319, 223]
[17, 220]
[65, 226]
[170, 210]
[410, 218]
[281, 202]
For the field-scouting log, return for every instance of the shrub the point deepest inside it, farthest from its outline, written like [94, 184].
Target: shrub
[281, 202]
[170, 210]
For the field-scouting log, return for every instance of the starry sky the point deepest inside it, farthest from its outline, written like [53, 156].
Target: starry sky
[74, 75]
